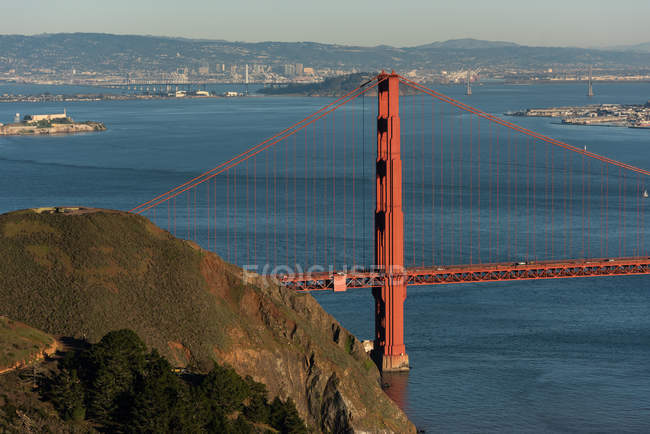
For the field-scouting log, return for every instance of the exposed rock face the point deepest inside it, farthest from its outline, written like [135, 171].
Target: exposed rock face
[85, 273]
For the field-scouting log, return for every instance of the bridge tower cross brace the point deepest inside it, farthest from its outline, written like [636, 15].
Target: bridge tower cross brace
[389, 350]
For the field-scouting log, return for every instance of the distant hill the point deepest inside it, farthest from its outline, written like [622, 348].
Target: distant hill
[120, 54]
[85, 273]
[467, 44]
[643, 48]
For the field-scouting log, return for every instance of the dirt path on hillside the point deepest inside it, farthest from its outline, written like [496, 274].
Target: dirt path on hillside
[48, 351]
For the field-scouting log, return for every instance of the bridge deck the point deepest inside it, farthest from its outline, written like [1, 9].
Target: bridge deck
[442, 275]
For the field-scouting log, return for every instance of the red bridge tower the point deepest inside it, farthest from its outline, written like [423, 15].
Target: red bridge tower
[389, 351]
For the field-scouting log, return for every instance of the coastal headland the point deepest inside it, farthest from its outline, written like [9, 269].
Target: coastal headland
[96, 271]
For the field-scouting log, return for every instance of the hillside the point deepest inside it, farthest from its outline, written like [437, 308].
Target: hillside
[121, 54]
[21, 345]
[85, 273]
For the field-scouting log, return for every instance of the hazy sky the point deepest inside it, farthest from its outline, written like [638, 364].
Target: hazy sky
[363, 22]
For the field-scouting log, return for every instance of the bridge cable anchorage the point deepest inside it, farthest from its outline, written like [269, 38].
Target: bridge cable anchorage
[339, 102]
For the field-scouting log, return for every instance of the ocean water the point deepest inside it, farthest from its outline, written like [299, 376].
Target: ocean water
[542, 356]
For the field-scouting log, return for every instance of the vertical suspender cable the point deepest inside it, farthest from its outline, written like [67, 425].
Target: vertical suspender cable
[433, 187]
[248, 248]
[412, 208]
[234, 220]
[422, 212]
[471, 189]
[620, 213]
[295, 199]
[228, 213]
[325, 202]
[208, 203]
[275, 207]
[334, 232]
[306, 202]
[460, 231]
[354, 192]
[452, 239]
[363, 180]
[345, 175]
[478, 184]
[566, 186]
[498, 193]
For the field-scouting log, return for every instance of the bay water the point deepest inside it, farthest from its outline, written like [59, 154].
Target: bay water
[536, 356]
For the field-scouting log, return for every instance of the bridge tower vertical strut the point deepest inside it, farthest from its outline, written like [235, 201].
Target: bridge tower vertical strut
[389, 351]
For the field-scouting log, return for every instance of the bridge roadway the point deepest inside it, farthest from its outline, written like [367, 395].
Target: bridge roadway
[442, 275]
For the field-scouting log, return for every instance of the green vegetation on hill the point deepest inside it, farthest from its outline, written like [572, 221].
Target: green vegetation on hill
[20, 344]
[120, 387]
[85, 273]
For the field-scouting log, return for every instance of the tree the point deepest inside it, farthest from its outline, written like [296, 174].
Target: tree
[159, 401]
[127, 390]
[66, 392]
[224, 389]
[109, 369]
[257, 409]
[285, 418]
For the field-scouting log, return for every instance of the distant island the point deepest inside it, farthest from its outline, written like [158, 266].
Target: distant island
[612, 115]
[46, 124]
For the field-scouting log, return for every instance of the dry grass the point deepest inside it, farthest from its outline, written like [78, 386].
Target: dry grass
[19, 343]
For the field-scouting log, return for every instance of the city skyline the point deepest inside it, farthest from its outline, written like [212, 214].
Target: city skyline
[554, 23]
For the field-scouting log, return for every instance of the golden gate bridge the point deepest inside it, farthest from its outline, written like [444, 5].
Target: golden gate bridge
[486, 200]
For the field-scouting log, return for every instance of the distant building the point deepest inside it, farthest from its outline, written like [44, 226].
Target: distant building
[299, 69]
[46, 117]
[289, 69]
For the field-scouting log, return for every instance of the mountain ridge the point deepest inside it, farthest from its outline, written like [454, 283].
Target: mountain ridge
[118, 54]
